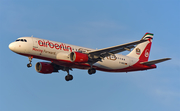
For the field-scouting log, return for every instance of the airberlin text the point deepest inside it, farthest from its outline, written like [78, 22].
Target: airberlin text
[54, 45]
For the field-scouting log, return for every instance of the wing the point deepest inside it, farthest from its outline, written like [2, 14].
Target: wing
[101, 53]
[155, 61]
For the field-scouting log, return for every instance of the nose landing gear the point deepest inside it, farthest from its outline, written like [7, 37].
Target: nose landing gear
[30, 60]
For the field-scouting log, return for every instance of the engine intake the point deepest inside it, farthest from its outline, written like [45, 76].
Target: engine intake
[44, 67]
[78, 57]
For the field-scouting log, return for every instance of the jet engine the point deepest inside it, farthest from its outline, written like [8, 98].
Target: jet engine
[44, 67]
[78, 57]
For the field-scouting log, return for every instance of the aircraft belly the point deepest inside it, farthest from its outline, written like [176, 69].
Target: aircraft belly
[112, 65]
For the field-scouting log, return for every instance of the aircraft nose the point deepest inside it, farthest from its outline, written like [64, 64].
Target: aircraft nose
[11, 46]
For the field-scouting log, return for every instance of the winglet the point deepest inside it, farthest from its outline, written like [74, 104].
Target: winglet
[147, 36]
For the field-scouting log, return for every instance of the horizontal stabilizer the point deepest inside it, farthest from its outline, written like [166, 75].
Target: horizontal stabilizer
[155, 61]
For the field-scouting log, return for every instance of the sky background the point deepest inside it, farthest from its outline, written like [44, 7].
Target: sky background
[93, 24]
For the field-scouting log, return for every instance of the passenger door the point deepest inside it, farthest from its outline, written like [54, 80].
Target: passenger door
[35, 43]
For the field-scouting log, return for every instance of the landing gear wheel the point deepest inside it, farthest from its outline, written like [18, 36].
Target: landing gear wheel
[92, 71]
[68, 77]
[29, 65]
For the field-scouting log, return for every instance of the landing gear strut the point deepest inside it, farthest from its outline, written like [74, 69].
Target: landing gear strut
[30, 60]
[91, 70]
[68, 77]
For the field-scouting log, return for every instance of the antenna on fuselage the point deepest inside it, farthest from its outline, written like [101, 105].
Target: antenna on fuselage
[31, 35]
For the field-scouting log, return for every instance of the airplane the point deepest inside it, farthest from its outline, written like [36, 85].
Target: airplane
[65, 57]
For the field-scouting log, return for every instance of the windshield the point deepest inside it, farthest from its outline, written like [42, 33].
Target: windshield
[22, 40]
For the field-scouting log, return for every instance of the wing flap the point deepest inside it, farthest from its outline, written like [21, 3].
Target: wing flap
[155, 61]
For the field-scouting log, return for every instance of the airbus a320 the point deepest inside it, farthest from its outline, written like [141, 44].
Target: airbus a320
[65, 57]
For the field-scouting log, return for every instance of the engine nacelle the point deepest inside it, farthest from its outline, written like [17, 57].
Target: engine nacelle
[78, 57]
[44, 67]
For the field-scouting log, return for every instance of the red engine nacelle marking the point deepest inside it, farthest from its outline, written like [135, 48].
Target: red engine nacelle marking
[44, 67]
[78, 57]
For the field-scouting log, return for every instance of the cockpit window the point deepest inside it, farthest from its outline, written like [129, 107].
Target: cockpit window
[22, 40]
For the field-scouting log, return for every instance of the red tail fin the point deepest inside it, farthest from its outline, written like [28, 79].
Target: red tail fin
[142, 50]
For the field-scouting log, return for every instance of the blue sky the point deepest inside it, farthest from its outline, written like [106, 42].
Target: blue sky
[93, 24]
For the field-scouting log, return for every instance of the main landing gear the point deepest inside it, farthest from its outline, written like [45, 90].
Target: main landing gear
[30, 60]
[91, 70]
[68, 77]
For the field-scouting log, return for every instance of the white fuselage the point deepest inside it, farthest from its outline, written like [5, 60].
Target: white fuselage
[59, 53]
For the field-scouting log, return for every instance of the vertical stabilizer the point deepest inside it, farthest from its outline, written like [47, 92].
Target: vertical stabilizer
[142, 50]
